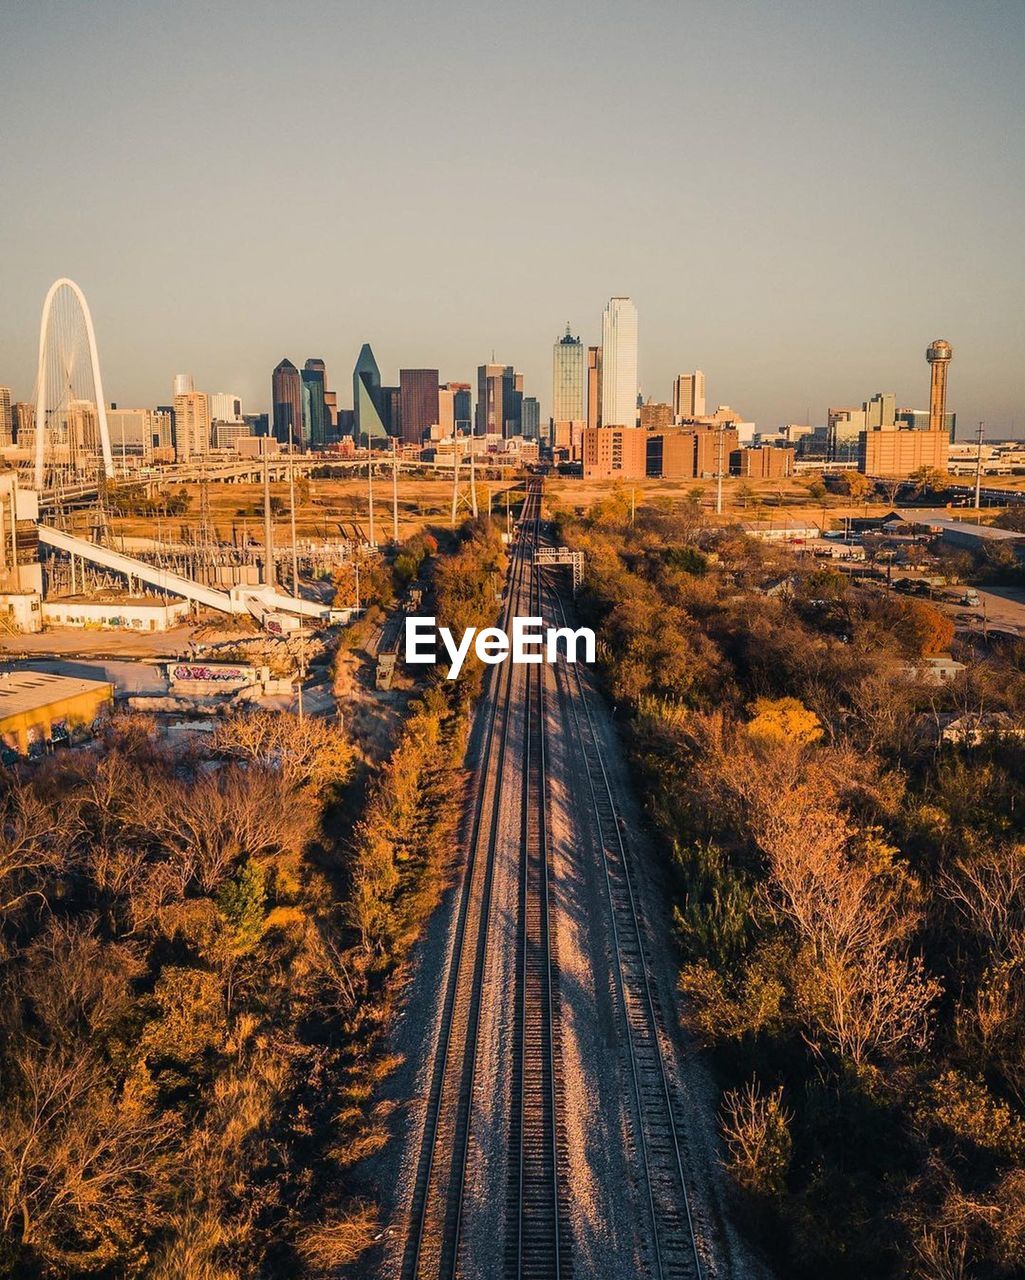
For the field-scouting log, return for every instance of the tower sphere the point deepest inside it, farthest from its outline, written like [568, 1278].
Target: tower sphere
[939, 350]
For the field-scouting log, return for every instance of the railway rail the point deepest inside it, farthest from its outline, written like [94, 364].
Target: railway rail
[538, 1232]
[540, 1241]
[674, 1253]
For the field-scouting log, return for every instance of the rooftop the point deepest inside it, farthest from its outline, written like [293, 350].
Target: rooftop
[22, 691]
[940, 519]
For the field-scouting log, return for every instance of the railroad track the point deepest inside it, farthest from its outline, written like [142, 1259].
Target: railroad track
[538, 1240]
[433, 1246]
[674, 1251]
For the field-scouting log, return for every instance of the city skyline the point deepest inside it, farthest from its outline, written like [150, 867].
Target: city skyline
[765, 263]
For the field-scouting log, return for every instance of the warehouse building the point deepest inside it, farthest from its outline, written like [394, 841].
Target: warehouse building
[38, 708]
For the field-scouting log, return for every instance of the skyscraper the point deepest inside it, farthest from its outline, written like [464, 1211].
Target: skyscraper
[499, 400]
[419, 402]
[593, 404]
[182, 384]
[191, 425]
[619, 364]
[287, 403]
[568, 380]
[315, 420]
[462, 407]
[530, 418]
[6, 420]
[225, 407]
[366, 397]
[689, 396]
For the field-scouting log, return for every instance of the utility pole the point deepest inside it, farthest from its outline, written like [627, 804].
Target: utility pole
[291, 503]
[718, 470]
[395, 489]
[473, 481]
[455, 475]
[370, 488]
[978, 467]
[268, 524]
[633, 505]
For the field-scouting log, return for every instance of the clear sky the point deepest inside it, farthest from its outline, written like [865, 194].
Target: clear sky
[798, 195]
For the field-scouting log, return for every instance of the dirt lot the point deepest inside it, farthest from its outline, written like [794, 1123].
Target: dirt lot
[742, 499]
[326, 508]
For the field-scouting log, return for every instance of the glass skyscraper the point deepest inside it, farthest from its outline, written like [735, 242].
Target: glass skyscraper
[366, 397]
[530, 418]
[568, 380]
[287, 402]
[314, 405]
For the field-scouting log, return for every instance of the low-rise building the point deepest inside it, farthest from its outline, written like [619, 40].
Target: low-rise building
[615, 453]
[38, 708]
[125, 613]
[768, 462]
[20, 612]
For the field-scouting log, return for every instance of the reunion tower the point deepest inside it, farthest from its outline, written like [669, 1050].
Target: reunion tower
[938, 354]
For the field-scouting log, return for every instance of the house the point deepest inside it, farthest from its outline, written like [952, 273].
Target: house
[974, 728]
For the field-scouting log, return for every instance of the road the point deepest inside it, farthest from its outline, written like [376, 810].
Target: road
[559, 1126]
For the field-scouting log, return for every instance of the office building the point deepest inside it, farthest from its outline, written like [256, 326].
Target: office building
[226, 435]
[191, 425]
[462, 407]
[614, 453]
[182, 385]
[499, 400]
[418, 403]
[593, 404]
[314, 378]
[225, 407]
[390, 401]
[138, 433]
[287, 404]
[530, 418]
[331, 406]
[569, 379]
[568, 437]
[843, 433]
[23, 417]
[6, 417]
[366, 398]
[689, 396]
[881, 411]
[619, 364]
[920, 420]
[655, 417]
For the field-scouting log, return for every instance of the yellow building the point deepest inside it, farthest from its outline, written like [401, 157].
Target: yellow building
[897, 454]
[37, 707]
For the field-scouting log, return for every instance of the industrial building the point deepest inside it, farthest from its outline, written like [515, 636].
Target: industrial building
[615, 453]
[766, 462]
[118, 613]
[38, 708]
